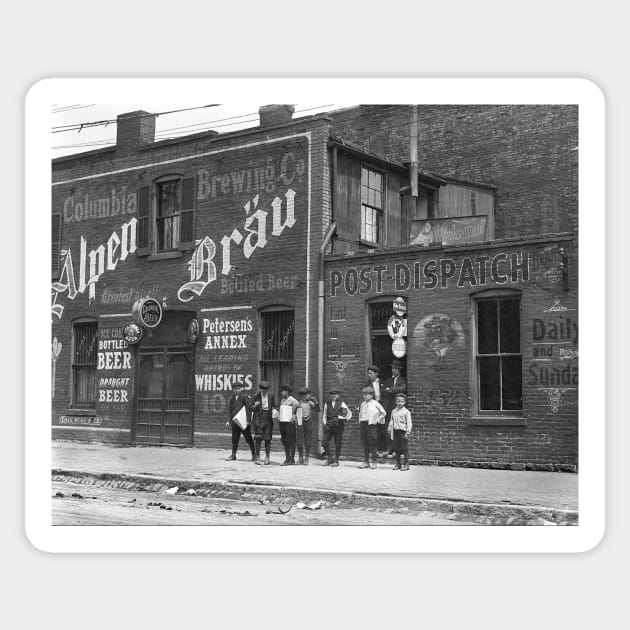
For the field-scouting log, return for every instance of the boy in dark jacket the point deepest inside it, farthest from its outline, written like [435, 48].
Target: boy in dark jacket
[262, 420]
[239, 408]
[334, 415]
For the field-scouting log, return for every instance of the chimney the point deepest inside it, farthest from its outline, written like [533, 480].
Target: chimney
[272, 115]
[135, 129]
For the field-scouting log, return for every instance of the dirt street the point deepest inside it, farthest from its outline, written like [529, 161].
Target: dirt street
[94, 505]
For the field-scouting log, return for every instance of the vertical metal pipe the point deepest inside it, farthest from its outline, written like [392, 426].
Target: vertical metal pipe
[413, 149]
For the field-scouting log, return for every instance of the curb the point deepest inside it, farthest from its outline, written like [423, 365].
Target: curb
[485, 513]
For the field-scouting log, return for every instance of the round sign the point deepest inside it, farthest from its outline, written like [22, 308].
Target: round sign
[396, 327]
[193, 331]
[400, 306]
[132, 333]
[399, 348]
[147, 312]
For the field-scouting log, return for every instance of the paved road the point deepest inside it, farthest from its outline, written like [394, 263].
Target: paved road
[114, 506]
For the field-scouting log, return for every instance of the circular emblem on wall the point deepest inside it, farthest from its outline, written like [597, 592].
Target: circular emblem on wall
[399, 348]
[193, 331]
[400, 306]
[147, 312]
[439, 335]
[396, 327]
[132, 333]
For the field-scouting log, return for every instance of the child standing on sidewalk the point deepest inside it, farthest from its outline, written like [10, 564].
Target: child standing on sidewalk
[371, 413]
[334, 416]
[307, 407]
[400, 430]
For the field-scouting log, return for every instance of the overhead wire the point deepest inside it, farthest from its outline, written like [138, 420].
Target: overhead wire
[208, 125]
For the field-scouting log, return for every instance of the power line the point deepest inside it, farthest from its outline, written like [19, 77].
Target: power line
[70, 108]
[98, 123]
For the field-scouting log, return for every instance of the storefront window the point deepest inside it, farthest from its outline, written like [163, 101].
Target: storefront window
[84, 358]
[498, 354]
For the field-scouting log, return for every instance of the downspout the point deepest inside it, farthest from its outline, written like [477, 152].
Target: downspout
[320, 297]
[413, 156]
[320, 328]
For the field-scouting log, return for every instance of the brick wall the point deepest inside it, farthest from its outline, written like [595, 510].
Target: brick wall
[447, 429]
[256, 168]
[528, 151]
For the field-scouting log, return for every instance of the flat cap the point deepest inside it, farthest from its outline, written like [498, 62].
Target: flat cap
[264, 385]
[374, 368]
[367, 390]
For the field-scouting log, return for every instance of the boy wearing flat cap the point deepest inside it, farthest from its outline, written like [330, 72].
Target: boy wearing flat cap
[262, 420]
[288, 407]
[393, 386]
[400, 430]
[305, 413]
[239, 401]
[334, 415]
[371, 413]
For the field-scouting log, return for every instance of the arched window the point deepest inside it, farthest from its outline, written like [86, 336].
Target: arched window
[84, 357]
[277, 333]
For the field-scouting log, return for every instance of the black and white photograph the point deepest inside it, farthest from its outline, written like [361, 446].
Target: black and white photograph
[355, 314]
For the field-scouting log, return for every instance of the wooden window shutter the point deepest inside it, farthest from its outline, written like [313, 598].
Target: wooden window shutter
[144, 224]
[187, 213]
[56, 244]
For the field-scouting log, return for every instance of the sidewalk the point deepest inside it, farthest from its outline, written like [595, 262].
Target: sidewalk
[483, 491]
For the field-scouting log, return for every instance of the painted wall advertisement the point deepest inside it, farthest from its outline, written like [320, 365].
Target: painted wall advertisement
[449, 231]
[226, 352]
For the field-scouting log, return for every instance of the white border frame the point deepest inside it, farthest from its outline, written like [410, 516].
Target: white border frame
[353, 539]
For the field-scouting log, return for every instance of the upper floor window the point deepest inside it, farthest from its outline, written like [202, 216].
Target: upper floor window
[372, 194]
[56, 244]
[498, 359]
[166, 215]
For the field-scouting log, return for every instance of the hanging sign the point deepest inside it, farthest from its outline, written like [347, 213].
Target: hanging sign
[399, 348]
[400, 306]
[397, 327]
[132, 333]
[147, 312]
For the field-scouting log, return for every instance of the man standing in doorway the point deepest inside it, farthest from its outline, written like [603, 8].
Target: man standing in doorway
[305, 413]
[394, 385]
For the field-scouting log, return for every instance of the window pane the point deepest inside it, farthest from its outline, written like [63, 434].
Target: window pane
[364, 177]
[151, 378]
[378, 181]
[511, 377]
[371, 199]
[372, 180]
[178, 378]
[510, 322]
[489, 383]
[168, 198]
[378, 200]
[487, 327]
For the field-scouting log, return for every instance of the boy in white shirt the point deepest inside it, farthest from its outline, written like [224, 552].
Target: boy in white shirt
[371, 413]
[400, 430]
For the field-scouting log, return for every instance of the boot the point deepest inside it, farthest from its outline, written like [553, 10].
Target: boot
[257, 454]
[405, 466]
[300, 456]
[364, 465]
[231, 458]
[267, 460]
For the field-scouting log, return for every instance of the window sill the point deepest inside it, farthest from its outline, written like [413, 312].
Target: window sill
[497, 421]
[80, 412]
[165, 255]
[369, 245]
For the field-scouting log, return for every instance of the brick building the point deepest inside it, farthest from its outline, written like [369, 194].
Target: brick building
[277, 252]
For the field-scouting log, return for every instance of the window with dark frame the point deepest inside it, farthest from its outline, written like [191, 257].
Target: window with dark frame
[84, 356]
[56, 244]
[372, 193]
[167, 225]
[498, 359]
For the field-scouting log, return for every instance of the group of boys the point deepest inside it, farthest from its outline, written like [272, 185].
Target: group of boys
[384, 421]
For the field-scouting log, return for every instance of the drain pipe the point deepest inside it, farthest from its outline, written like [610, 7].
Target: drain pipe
[320, 328]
